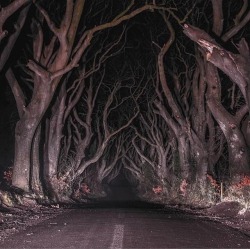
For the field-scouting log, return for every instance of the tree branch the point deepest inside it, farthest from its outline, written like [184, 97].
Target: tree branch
[13, 37]
[233, 31]
[17, 92]
[7, 11]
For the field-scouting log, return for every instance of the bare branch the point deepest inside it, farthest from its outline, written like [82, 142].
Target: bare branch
[84, 43]
[151, 163]
[50, 23]
[13, 37]
[217, 16]
[7, 11]
[233, 31]
[39, 70]
[126, 10]
[67, 19]
[76, 16]
[17, 92]
[241, 12]
[38, 41]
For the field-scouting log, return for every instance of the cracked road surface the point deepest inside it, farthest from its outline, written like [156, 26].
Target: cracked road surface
[123, 227]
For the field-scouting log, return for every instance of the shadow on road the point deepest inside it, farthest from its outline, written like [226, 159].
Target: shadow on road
[121, 204]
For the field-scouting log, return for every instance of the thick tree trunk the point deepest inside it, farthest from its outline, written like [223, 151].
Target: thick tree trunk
[36, 185]
[216, 143]
[202, 165]
[237, 147]
[184, 155]
[22, 162]
[182, 141]
[53, 139]
[24, 135]
[200, 156]
[49, 169]
[162, 170]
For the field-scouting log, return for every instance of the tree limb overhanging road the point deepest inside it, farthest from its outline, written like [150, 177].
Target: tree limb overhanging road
[123, 227]
[120, 100]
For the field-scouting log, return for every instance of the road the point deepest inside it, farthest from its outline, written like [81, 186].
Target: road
[124, 227]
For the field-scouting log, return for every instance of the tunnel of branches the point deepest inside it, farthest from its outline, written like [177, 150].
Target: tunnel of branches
[116, 99]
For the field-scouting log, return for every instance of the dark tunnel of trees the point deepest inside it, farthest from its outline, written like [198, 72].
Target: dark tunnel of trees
[148, 96]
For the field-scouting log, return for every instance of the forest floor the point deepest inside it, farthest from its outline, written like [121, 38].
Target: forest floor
[20, 218]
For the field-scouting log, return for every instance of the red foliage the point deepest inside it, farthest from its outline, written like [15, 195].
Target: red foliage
[245, 181]
[213, 182]
[82, 190]
[85, 188]
[157, 190]
[7, 175]
[183, 187]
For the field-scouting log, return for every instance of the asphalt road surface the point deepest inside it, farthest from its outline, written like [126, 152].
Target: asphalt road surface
[127, 227]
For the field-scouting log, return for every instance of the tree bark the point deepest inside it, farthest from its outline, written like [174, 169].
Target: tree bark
[237, 148]
[234, 65]
[182, 141]
[36, 184]
[24, 134]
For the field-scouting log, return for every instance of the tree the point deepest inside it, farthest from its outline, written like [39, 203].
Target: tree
[233, 65]
[53, 56]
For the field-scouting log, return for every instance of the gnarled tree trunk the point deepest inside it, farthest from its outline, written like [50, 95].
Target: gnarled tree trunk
[25, 132]
[237, 147]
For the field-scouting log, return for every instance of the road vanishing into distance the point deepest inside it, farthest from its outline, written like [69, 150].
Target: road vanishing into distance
[135, 226]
